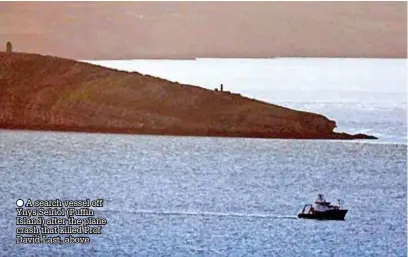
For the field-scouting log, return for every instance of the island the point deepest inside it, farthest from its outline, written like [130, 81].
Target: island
[40, 92]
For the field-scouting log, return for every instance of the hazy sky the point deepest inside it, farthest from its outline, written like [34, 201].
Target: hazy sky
[114, 30]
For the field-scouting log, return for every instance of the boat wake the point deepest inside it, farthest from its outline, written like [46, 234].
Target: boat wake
[199, 213]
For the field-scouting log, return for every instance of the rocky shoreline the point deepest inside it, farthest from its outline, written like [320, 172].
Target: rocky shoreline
[339, 136]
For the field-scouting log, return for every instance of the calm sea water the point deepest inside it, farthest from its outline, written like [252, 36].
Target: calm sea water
[191, 196]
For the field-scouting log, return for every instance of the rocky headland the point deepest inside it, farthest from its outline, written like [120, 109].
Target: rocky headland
[50, 93]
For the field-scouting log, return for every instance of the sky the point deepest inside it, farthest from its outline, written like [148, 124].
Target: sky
[177, 30]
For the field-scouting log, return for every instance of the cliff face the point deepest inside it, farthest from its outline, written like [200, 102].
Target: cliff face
[44, 92]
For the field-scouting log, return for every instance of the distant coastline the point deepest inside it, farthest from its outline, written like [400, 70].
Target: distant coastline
[237, 57]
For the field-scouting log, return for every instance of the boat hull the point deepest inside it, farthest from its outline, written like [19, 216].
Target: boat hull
[327, 215]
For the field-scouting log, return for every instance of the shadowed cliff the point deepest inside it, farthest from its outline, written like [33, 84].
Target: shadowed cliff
[50, 93]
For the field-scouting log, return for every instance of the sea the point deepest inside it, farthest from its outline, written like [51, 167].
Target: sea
[205, 196]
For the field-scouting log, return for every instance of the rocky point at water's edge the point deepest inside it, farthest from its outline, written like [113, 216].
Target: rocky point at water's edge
[51, 93]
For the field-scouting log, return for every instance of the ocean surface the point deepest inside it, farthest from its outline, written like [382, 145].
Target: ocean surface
[198, 196]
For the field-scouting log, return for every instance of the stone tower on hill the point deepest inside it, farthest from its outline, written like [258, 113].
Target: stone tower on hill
[9, 47]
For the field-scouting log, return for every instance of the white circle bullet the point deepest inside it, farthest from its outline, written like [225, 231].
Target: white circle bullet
[20, 203]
